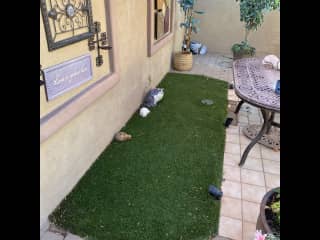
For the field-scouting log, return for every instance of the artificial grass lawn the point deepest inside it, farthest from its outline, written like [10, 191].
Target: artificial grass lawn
[155, 185]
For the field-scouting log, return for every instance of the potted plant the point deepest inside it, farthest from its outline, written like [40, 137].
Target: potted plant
[183, 60]
[269, 217]
[252, 13]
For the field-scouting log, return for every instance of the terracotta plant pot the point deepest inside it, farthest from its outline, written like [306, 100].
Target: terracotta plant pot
[262, 223]
[182, 61]
[240, 55]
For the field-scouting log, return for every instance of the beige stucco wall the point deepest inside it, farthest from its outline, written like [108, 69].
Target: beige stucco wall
[67, 154]
[220, 28]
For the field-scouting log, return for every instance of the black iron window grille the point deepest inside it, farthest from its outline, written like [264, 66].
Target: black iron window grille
[66, 21]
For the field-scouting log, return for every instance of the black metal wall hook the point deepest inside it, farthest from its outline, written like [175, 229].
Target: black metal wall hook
[100, 42]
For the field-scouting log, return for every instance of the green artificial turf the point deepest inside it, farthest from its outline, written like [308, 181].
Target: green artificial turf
[155, 186]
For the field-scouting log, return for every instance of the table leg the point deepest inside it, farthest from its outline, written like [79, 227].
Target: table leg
[238, 107]
[264, 128]
[271, 120]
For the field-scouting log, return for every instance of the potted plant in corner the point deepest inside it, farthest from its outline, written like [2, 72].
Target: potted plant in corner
[252, 13]
[269, 218]
[183, 60]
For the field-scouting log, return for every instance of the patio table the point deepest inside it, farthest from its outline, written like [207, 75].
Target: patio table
[254, 84]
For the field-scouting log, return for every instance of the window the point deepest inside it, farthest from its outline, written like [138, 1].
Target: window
[160, 24]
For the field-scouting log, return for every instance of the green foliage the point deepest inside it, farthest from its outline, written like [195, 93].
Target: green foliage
[276, 209]
[243, 48]
[272, 237]
[252, 14]
[275, 206]
[252, 11]
[190, 23]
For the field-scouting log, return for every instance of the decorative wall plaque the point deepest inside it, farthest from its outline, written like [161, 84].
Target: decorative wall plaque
[66, 21]
[67, 75]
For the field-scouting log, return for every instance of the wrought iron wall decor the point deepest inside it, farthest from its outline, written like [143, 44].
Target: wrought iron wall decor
[103, 40]
[66, 21]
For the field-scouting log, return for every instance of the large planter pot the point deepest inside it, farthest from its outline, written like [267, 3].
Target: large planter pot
[262, 223]
[182, 61]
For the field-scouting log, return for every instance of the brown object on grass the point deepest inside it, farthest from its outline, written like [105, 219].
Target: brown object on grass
[122, 136]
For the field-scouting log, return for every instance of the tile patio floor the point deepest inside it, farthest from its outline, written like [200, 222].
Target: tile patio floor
[243, 188]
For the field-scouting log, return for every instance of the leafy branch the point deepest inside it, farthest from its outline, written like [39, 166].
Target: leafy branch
[190, 23]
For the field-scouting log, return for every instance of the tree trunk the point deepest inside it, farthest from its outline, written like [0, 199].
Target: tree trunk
[188, 31]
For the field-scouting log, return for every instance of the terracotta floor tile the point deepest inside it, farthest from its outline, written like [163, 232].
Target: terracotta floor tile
[248, 230]
[250, 211]
[272, 180]
[253, 164]
[231, 189]
[232, 138]
[268, 153]
[232, 148]
[252, 177]
[271, 166]
[231, 173]
[231, 159]
[231, 207]
[244, 140]
[230, 227]
[254, 152]
[233, 130]
[252, 193]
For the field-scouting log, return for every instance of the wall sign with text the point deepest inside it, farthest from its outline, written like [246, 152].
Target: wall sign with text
[66, 76]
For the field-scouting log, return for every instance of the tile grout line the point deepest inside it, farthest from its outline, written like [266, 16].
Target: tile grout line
[251, 168]
[234, 198]
[263, 168]
[246, 183]
[243, 167]
[264, 173]
[242, 233]
[254, 170]
[239, 219]
[223, 177]
[221, 215]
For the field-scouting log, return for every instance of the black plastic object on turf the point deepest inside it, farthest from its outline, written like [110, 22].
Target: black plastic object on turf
[215, 192]
[228, 122]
